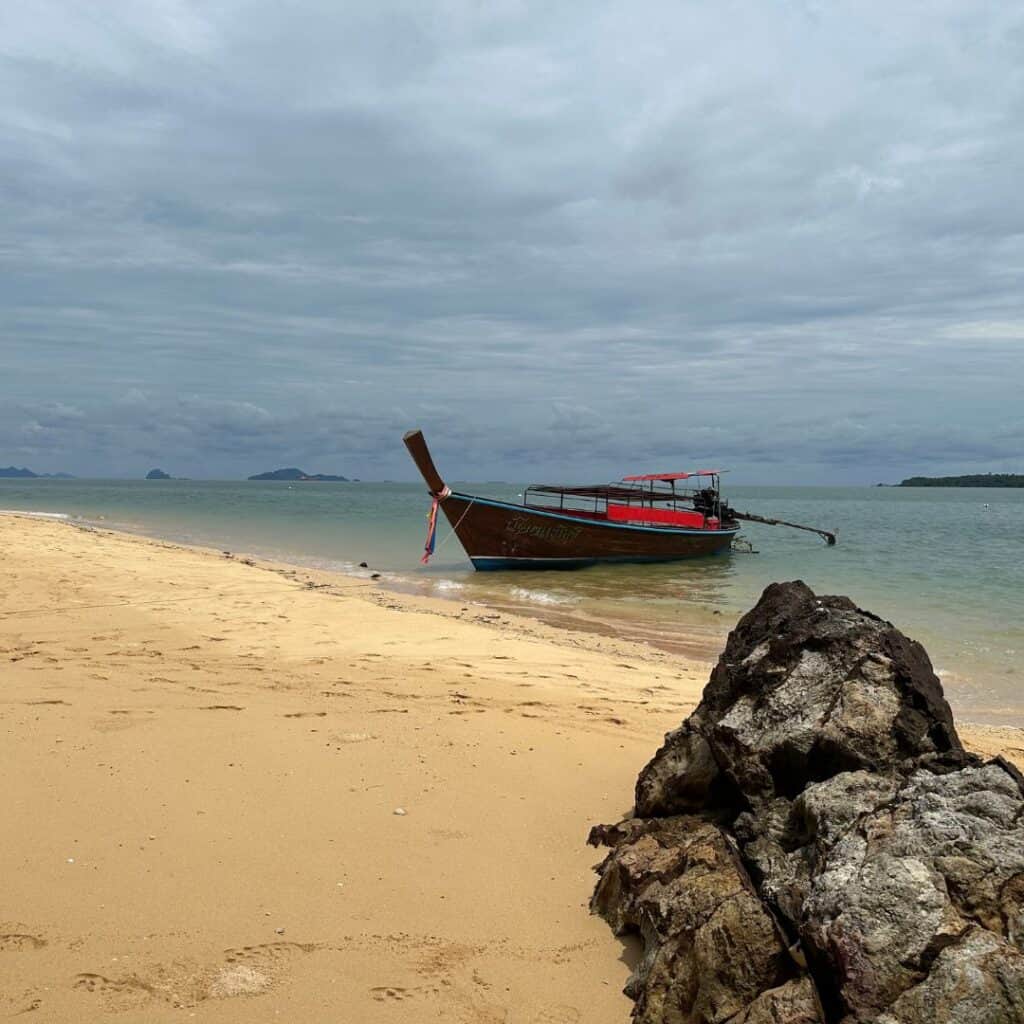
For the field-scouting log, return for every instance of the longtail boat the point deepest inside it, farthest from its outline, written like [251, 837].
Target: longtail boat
[654, 517]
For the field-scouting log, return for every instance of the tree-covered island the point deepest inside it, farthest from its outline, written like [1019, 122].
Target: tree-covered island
[970, 480]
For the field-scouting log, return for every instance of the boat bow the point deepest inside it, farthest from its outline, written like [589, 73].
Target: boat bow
[416, 443]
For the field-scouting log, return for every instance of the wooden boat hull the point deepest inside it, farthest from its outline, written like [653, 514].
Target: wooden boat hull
[500, 535]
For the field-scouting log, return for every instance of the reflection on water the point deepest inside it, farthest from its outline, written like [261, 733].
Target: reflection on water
[677, 606]
[699, 582]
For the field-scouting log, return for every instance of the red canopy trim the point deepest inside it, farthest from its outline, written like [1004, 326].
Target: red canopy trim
[674, 476]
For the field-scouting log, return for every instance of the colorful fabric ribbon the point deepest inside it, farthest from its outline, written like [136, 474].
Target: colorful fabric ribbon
[428, 548]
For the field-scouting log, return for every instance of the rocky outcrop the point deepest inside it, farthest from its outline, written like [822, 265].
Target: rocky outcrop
[815, 844]
[292, 473]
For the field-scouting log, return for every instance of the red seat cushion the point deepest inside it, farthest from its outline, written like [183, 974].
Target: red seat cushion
[661, 516]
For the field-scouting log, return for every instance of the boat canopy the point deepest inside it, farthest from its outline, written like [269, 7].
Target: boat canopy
[613, 492]
[675, 476]
[623, 492]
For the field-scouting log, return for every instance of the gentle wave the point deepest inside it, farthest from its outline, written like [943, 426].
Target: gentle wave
[446, 586]
[33, 515]
[538, 597]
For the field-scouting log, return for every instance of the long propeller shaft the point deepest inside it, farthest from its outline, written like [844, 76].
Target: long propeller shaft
[830, 538]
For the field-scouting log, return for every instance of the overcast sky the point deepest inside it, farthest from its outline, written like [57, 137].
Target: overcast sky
[566, 239]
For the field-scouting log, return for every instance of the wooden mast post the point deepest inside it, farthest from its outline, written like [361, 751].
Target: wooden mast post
[417, 446]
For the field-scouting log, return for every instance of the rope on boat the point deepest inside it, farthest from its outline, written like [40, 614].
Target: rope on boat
[457, 525]
[429, 547]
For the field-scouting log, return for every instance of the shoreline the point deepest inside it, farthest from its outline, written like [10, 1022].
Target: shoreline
[205, 759]
[698, 638]
[551, 624]
[696, 641]
[685, 609]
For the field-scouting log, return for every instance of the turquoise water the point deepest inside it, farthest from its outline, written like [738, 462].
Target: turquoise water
[946, 565]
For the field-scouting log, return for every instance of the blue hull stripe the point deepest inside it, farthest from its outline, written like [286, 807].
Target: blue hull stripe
[486, 563]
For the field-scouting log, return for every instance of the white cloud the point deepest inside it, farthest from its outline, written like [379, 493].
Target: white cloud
[523, 224]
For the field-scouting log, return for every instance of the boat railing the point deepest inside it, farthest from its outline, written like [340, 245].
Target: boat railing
[602, 501]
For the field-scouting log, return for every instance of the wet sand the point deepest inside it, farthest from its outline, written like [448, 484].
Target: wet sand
[203, 756]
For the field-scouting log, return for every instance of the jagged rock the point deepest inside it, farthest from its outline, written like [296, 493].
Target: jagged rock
[807, 687]
[912, 876]
[709, 943]
[814, 843]
[978, 980]
[681, 777]
[796, 1002]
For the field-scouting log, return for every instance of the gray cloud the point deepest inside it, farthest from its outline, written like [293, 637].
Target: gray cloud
[564, 241]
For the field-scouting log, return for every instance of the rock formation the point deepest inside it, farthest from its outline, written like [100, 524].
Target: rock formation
[12, 472]
[814, 844]
[293, 473]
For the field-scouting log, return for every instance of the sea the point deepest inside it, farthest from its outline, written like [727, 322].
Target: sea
[946, 565]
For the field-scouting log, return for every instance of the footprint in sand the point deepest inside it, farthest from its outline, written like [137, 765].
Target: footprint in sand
[397, 994]
[558, 1015]
[123, 718]
[179, 984]
[384, 993]
[119, 994]
[270, 958]
[14, 1004]
[19, 942]
[89, 982]
[447, 833]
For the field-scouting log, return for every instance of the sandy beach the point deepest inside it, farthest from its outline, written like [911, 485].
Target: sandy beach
[204, 760]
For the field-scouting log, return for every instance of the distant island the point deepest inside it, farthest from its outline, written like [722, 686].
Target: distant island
[158, 474]
[971, 480]
[297, 474]
[13, 473]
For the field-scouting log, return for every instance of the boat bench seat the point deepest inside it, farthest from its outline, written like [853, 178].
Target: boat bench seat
[659, 516]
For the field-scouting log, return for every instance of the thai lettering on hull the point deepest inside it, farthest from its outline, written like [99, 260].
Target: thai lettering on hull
[553, 533]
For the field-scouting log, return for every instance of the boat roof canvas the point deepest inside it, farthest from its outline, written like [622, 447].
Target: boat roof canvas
[610, 491]
[675, 476]
[623, 491]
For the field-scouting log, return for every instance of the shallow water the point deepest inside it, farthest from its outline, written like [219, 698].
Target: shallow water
[946, 565]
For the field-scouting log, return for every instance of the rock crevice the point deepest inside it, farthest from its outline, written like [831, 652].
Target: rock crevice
[814, 843]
